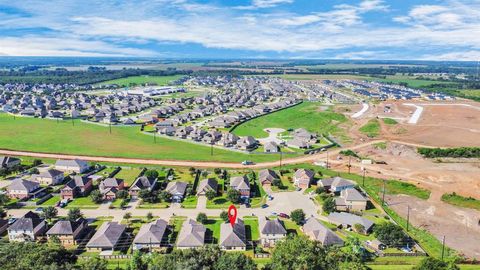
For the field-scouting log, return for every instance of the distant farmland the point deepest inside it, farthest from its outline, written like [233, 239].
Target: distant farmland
[139, 80]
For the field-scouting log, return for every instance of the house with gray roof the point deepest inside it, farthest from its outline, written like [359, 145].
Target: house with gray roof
[109, 188]
[22, 189]
[152, 236]
[271, 147]
[142, 183]
[192, 235]
[78, 186]
[267, 177]
[68, 232]
[247, 143]
[271, 231]
[30, 227]
[242, 184]
[108, 237]
[9, 162]
[177, 190]
[75, 165]
[302, 178]
[349, 220]
[336, 184]
[206, 185]
[316, 231]
[233, 237]
[351, 199]
[49, 177]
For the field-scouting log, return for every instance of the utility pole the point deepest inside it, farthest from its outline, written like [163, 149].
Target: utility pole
[443, 247]
[110, 126]
[73, 122]
[154, 137]
[211, 149]
[349, 163]
[327, 159]
[281, 153]
[383, 196]
[363, 178]
[408, 216]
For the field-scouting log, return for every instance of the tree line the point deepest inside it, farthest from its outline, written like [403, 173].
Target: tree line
[461, 152]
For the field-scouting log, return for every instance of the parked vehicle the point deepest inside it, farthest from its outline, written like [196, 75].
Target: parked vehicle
[283, 215]
[247, 162]
[265, 206]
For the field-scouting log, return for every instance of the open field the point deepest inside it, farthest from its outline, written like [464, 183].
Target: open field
[411, 81]
[306, 77]
[455, 199]
[48, 136]
[138, 80]
[307, 115]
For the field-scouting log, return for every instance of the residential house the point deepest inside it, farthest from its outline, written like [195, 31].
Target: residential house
[177, 190]
[336, 184]
[247, 143]
[68, 232]
[298, 143]
[142, 183]
[30, 227]
[206, 185]
[9, 162]
[267, 177]
[108, 237]
[79, 186]
[271, 231]
[22, 189]
[233, 237]
[192, 235]
[49, 177]
[316, 231]
[109, 188]
[302, 178]
[349, 220]
[241, 184]
[271, 147]
[152, 236]
[75, 165]
[351, 200]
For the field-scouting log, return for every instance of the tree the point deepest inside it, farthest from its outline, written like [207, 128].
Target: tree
[93, 263]
[359, 228]
[235, 261]
[319, 190]
[217, 171]
[390, 234]
[149, 216]
[74, 214]
[3, 212]
[202, 218]
[224, 216]
[297, 252]
[164, 196]
[127, 216]
[147, 196]
[430, 263]
[50, 212]
[37, 162]
[277, 183]
[210, 194]
[298, 216]
[4, 199]
[151, 174]
[122, 194]
[189, 190]
[96, 196]
[233, 195]
[138, 262]
[329, 205]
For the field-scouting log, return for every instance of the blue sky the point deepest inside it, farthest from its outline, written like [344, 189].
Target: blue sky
[287, 29]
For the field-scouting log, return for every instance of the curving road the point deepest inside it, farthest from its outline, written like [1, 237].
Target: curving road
[200, 164]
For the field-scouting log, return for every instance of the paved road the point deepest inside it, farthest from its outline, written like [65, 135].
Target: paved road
[199, 164]
[283, 202]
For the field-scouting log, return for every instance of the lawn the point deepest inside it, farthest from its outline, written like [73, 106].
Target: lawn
[190, 202]
[52, 137]
[52, 201]
[82, 202]
[176, 223]
[139, 80]
[146, 205]
[457, 200]
[390, 121]
[218, 203]
[213, 225]
[411, 81]
[306, 115]
[251, 228]
[371, 129]
[128, 175]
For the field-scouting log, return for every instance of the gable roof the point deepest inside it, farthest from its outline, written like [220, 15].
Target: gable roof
[207, 184]
[77, 181]
[349, 219]
[267, 175]
[66, 227]
[319, 232]
[143, 182]
[240, 182]
[233, 236]
[107, 235]
[351, 194]
[71, 163]
[50, 173]
[176, 187]
[27, 223]
[151, 233]
[304, 173]
[24, 185]
[271, 226]
[192, 234]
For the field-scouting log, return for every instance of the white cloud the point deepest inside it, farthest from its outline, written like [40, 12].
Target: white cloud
[454, 56]
[256, 4]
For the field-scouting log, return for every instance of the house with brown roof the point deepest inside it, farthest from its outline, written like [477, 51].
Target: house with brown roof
[68, 232]
[302, 178]
[78, 186]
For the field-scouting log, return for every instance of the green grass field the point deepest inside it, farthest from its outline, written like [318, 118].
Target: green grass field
[411, 81]
[128, 175]
[82, 202]
[306, 115]
[390, 121]
[48, 136]
[306, 77]
[371, 129]
[138, 80]
[457, 200]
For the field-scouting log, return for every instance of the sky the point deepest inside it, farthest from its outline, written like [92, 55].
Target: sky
[253, 29]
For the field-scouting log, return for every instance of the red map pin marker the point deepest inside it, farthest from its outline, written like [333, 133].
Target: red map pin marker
[232, 214]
